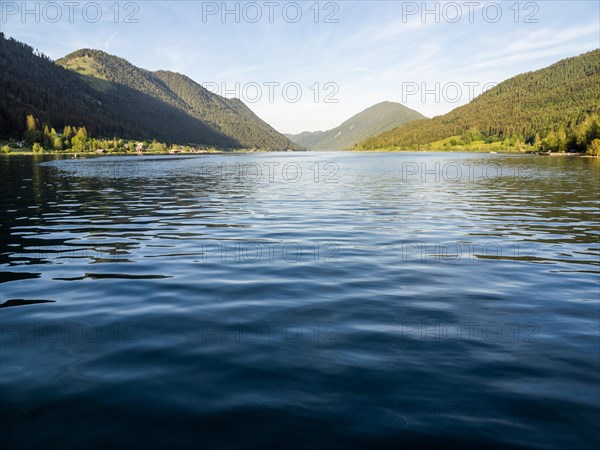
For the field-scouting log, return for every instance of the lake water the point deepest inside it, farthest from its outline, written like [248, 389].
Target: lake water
[301, 300]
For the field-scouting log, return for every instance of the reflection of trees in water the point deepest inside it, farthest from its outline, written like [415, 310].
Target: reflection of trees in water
[555, 201]
[530, 208]
[53, 215]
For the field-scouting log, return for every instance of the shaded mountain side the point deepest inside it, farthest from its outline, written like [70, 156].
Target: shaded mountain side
[227, 116]
[133, 103]
[230, 116]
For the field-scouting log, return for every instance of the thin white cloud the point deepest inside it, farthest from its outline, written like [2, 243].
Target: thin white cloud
[109, 41]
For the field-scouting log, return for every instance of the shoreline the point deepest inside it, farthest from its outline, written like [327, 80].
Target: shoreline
[99, 155]
[78, 155]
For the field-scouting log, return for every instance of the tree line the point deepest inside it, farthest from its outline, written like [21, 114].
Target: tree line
[43, 137]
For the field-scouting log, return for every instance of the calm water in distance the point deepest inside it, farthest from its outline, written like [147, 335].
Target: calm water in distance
[317, 300]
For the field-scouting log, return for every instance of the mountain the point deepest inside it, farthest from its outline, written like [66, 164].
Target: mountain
[370, 122]
[545, 104]
[111, 97]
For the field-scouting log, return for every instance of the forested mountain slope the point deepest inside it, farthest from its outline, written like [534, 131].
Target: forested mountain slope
[551, 104]
[111, 97]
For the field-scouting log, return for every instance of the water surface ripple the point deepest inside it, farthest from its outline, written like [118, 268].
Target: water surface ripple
[301, 300]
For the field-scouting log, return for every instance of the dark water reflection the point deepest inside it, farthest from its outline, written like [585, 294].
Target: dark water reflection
[372, 300]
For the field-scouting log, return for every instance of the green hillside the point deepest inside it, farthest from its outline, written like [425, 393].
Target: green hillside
[555, 108]
[111, 97]
[370, 122]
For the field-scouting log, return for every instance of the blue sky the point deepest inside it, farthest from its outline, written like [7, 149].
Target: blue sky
[357, 53]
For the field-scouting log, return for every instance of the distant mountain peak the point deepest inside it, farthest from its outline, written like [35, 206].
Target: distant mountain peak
[371, 121]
